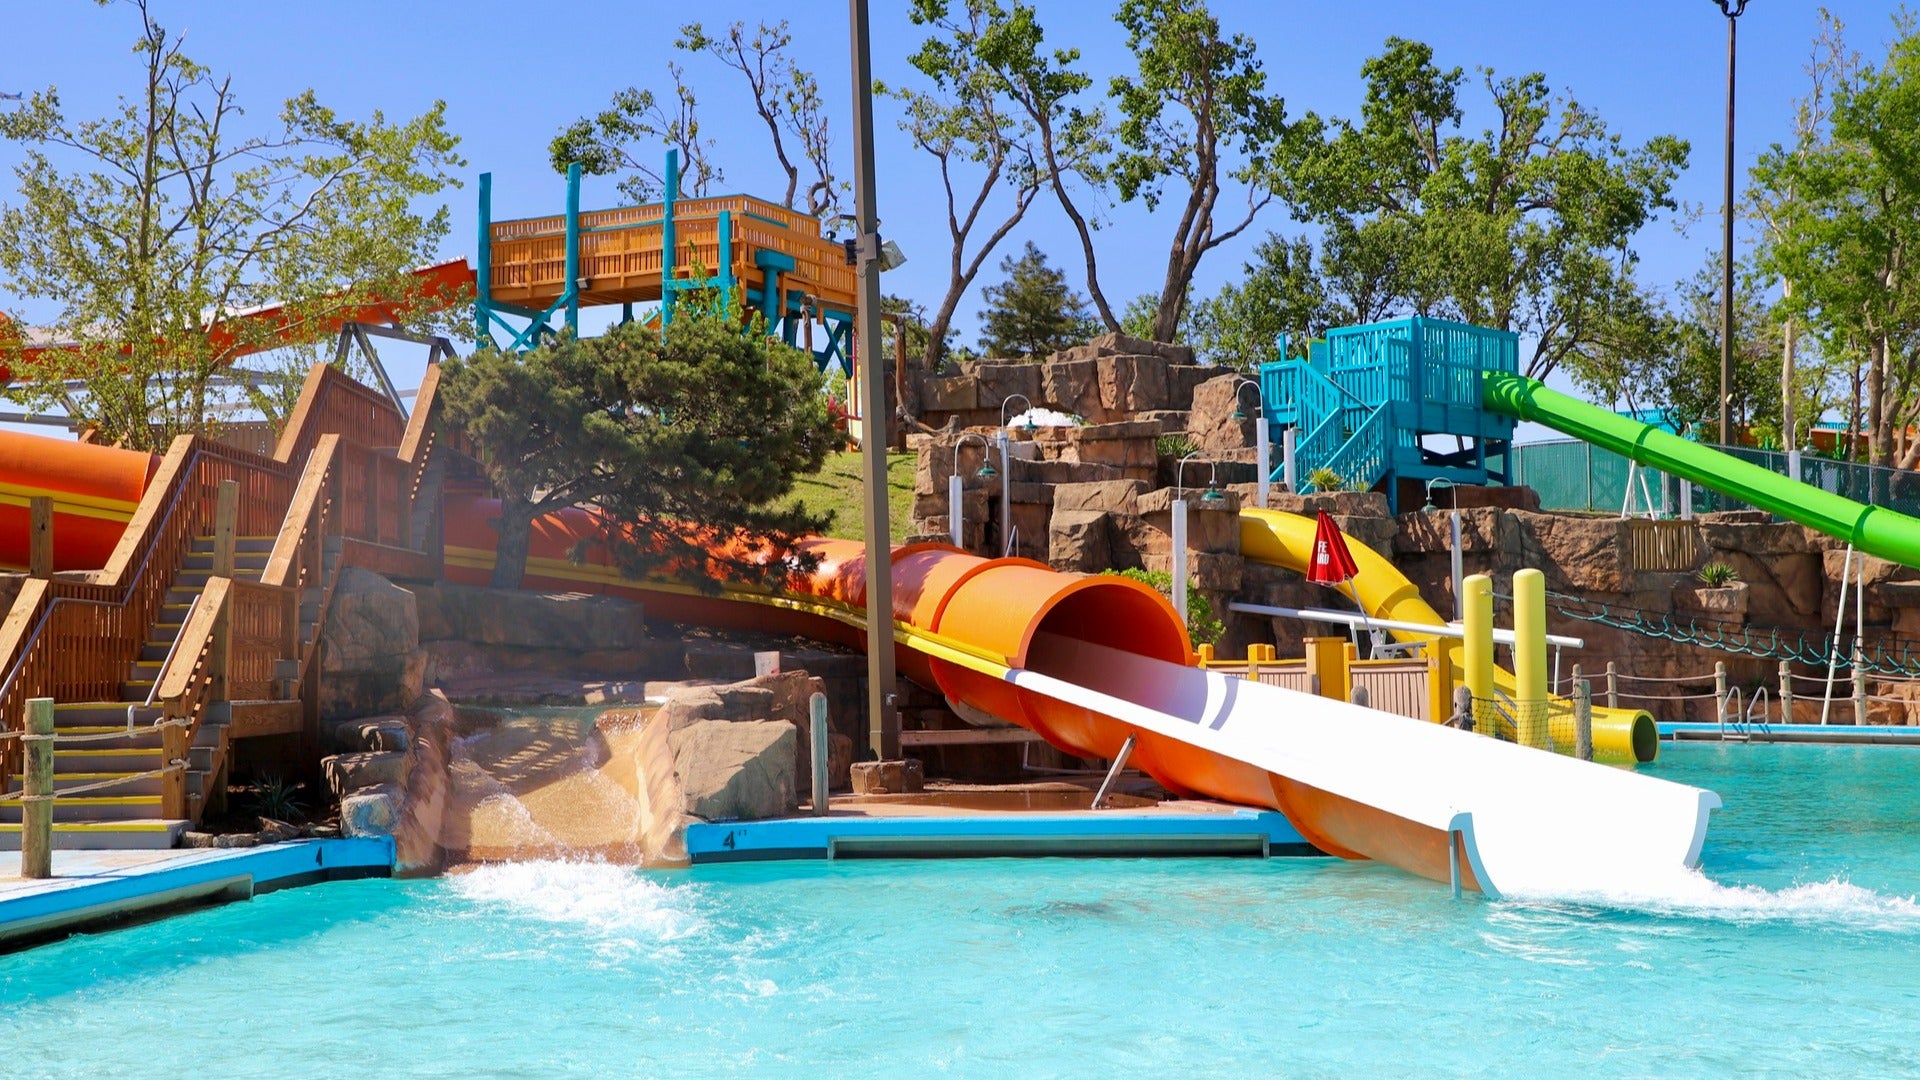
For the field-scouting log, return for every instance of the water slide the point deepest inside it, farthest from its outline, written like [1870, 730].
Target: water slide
[1088, 662]
[1873, 529]
[1623, 736]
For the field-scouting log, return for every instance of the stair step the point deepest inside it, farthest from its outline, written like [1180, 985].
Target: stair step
[63, 781]
[242, 545]
[108, 737]
[243, 561]
[94, 760]
[189, 579]
[135, 690]
[141, 834]
[81, 808]
[101, 714]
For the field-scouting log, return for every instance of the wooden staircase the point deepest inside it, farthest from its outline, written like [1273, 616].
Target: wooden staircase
[157, 666]
[115, 751]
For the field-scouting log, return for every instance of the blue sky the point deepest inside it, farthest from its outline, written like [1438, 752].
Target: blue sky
[514, 73]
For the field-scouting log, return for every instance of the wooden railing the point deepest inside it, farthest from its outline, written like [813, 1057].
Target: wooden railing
[74, 638]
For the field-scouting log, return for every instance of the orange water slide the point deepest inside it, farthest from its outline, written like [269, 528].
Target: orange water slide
[94, 491]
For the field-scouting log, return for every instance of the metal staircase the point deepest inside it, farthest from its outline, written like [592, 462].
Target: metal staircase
[1364, 401]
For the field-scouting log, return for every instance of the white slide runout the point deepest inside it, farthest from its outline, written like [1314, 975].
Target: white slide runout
[1531, 822]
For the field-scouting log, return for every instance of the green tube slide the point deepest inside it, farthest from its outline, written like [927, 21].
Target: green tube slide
[1872, 529]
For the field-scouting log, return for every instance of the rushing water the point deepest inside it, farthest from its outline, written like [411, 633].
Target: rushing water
[1793, 955]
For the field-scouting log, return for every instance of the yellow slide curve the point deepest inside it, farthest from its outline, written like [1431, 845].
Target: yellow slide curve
[1622, 736]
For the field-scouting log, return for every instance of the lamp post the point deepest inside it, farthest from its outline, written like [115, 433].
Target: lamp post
[883, 720]
[1263, 452]
[1177, 526]
[1454, 516]
[1006, 472]
[955, 496]
[1732, 9]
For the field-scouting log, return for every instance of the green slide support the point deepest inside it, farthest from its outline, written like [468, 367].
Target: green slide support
[1872, 529]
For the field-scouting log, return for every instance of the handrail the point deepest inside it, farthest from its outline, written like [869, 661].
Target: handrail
[166, 661]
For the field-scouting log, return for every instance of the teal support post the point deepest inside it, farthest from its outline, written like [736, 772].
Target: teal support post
[668, 241]
[725, 275]
[483, 278]
[572, 291]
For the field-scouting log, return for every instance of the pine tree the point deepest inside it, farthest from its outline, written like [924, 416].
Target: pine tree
[1033, 312]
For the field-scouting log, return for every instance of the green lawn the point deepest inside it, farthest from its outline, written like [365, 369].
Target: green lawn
[836, 487]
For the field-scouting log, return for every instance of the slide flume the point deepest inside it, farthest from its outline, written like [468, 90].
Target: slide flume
[1623, 736]
[1089, 661]
[1875, 530]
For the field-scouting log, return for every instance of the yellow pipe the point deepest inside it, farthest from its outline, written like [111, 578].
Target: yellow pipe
[1622, 736]
[1476, 610]
[1530, 656]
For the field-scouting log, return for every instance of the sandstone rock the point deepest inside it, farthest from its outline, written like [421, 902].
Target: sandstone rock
[1184, 379]
[1727, 603]
[1206, 571]
[372, 812]
[1337, 503]
[1130, 384]
[366, 733]
[1079, 541]
[1170, 421]
[735, 771]
[1117, 344]
[1212, 425]
[371, 660]
[574, 621]
[889, 777]
[736, 702]
[348, 773]
[952, 394]
[1114, 496]
[1212, 525]
[1073, 387]
[1000, 380]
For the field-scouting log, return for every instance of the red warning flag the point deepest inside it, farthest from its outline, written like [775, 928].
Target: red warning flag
[1332, 563]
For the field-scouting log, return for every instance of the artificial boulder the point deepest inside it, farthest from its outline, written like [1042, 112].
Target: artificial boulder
[371, 660]
[735, 770]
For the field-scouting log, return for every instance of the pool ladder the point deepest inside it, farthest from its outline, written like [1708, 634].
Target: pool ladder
[1739, 718]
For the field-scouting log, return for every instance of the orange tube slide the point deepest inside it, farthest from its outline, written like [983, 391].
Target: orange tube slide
[94, 491]
[1012, 610]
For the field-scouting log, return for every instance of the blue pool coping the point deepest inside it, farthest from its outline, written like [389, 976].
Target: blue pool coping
[1846, 734]
[1236, 831]
[95, 888]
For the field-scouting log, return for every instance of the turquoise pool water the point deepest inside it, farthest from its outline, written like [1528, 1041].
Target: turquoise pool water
[1792, 956]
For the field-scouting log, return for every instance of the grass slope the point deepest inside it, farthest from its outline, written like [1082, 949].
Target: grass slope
[836, 487]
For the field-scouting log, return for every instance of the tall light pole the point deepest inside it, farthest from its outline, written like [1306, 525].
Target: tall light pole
[1732, 9]
[883, 720]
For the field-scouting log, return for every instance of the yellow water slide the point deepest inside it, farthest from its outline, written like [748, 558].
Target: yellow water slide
[1383, 592]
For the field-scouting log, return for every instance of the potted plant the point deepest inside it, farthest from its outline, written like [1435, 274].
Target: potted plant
[1720, 594]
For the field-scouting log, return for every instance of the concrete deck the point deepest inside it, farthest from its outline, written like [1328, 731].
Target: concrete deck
[874, 830]
[1846, 734]
[92, 888]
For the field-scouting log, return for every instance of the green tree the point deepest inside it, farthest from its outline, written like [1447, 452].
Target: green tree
[627, 138]
[1280, 293]
[151, 229]
[981, 142]
[1033, 313]
[1843, 210]
[1074, 143]
[1526, 226]
[1195, 113]
[687, 441]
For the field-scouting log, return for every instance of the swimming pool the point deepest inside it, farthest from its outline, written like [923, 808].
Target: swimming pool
[1794, 959]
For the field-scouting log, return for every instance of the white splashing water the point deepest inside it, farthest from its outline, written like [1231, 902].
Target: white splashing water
[1691, 894]
[602, 897]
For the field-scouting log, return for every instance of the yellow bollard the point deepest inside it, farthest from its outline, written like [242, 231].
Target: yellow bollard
[1476, 610]
[1530, 657]
[1327, 659]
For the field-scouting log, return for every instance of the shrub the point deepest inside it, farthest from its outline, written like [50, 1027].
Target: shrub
[1324, 480]
[1716, 575]
[1173, 445]
[1202, 625]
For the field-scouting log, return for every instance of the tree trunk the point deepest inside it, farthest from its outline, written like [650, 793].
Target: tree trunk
[1879, 424]
[516, 536]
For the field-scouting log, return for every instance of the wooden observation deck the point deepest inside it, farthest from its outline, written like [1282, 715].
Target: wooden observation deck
[774, 259]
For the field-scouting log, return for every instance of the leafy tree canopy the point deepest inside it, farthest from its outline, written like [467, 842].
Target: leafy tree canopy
[150, 230]
[1033, 312]
[693, 437]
